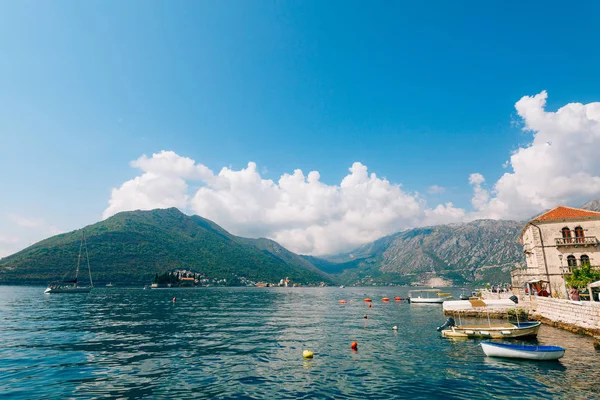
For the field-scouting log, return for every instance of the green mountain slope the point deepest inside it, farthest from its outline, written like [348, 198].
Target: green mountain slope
[131, 247]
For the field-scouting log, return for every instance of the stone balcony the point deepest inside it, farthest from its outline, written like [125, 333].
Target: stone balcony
[577, 241]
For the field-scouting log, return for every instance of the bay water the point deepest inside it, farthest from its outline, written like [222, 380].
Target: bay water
[248, 343]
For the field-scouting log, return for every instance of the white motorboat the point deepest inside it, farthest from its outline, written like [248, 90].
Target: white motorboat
[509, 350]
[72, 285]
[433, 296]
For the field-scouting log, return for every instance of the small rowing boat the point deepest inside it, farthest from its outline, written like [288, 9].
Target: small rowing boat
[509, 350]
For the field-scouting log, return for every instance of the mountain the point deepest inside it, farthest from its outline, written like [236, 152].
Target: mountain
[479, 251]
[592, 205]
[130, 247]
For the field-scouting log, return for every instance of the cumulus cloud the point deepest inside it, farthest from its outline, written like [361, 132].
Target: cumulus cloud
[299, 211]
[559, 166]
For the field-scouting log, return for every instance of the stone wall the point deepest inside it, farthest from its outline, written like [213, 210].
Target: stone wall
[576, 316]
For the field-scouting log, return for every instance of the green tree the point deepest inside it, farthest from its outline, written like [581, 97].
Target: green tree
[582, 276]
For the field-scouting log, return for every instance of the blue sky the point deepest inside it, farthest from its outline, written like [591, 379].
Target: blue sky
[422, 93]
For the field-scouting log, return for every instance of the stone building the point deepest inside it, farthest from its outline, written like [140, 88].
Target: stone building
[553, 243]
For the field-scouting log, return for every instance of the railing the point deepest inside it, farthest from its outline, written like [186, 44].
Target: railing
[577, 241]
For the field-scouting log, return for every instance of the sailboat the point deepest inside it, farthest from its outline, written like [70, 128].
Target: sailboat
[72, 286]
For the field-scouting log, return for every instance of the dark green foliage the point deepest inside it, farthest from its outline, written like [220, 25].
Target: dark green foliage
[582, 276]
[132, 247]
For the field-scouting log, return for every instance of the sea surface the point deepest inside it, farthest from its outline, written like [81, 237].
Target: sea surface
[248, 343]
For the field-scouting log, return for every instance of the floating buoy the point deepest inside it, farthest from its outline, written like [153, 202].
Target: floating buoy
[370, 305]
[342, 301]
[395, 328]
[354, 346]
[397, 298]
[385, 299]
[307, 354]
[368, 300]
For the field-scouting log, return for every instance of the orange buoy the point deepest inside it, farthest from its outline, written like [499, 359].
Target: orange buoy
[342, 301]
[397, 298]
[354, 346]
[368, 300]
[385, 299]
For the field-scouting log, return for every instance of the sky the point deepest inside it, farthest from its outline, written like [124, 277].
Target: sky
[322, 125]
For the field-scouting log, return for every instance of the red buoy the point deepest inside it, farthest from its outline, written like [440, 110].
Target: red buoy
[354, 346]
[368, 300]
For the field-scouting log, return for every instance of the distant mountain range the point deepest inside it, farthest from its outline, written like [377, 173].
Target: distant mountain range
[131, 247]
[478, 251]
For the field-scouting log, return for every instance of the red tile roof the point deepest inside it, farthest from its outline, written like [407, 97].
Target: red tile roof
[562, 212]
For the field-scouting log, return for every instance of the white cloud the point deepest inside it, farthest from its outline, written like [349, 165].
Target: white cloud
[445, 214]
[299, 211]
[560, 166]
[8, 239]
[18, 231]
[435, 189]
[26, 222]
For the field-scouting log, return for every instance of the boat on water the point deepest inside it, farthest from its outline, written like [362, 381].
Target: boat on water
[109, 285]
[502, 330]
[72, 286]
[528, 352]
[463, 295]
[433, 296]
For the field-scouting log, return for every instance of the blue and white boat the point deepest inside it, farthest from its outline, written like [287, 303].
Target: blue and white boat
[528, 352]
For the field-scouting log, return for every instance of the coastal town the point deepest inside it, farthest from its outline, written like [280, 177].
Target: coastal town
[560, 282]
[183, 278]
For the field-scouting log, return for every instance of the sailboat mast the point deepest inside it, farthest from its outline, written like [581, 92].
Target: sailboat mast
[79, 260]
[88, 260]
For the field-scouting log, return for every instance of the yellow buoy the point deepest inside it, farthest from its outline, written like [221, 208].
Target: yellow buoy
[307, 354]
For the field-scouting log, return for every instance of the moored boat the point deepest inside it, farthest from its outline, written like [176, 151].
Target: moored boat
[493, 331]
[433, 296]
[72, 285]
[528, 352]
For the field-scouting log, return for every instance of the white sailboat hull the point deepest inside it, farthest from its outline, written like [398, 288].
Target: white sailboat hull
[524, 352]
[65, 289]
[432, 300]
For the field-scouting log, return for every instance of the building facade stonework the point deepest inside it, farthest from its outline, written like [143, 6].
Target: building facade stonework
[554, 243]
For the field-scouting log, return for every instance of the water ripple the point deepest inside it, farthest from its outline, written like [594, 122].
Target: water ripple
[247, 343]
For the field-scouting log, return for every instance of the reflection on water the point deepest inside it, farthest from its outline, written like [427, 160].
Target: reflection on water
[248, 343]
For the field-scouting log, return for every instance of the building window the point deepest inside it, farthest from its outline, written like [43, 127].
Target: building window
[571, 261]
[579, 234]
[585, 260]
[566, 234]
